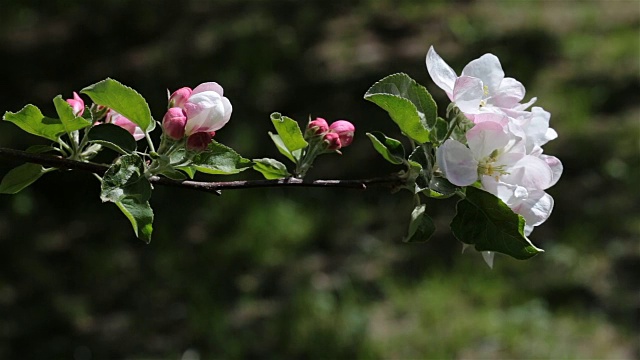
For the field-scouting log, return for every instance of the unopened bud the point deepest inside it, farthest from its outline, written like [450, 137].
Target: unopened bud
[77, 104]
[180, 97]
[199, 141]
[345, 130]
[174, 122]
[332, 141]
[318, 126]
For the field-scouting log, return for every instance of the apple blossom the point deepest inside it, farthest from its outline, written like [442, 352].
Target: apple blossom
[77, 104]
[174, 122]
[345, 130]
[481, 85]
[205, 107]
[117, 119]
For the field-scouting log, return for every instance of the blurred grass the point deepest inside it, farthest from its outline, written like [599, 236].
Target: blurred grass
[290, 273]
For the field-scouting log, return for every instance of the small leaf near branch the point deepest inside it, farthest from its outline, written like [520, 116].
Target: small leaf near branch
[140, 215]
[487, 222]
[271, 168]
[31, 120]
[122, 99]
[20, 177]
[390, 149]
[282, 148]
[220, 159]
[421, 227]
[289, 132]
[69, 121]
[125, 178]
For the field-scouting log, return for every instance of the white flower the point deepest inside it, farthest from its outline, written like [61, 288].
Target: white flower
[207, 109]
[482, 84]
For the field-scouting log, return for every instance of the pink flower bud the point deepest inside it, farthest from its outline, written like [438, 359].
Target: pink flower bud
[180, 97]
[77, 104]
[332, 141]
[174, 122]
[318, 126]
[345, 130]
[199, 141]
[117, 119]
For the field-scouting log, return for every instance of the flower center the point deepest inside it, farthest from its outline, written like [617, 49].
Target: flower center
[488, 167]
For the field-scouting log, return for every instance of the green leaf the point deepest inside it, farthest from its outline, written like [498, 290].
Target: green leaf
[31, 120]
[396, 94]
[390, 149]
[114, 137]
[404, 86]
[462, 125]
[441, 187]
[173, 174]
[125, 179]
[439, 131]
[271, 168]
[404, 113]
[485, 221]
[69, 121]
[421, 227]
[140, 215]
[20, 177]
[189, 170]
[39, 149]
[289, 132]
[124, 100]
[282, 148]
[220, 159]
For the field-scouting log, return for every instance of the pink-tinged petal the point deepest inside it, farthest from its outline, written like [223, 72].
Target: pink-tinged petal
[486, 137]
[555, 165]
[499, 118]
[468, 94]
[138, 134]
[508, 95]
[530, 172]
[209, 86]
[535, 208]
[486, 68]
[457, 163]
[345, 130]
[205, 112]
[180, 97]
[77, 104]
[441, 73]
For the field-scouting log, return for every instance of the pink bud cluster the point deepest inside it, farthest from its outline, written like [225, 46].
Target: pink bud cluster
[335, 136]
[196, 113]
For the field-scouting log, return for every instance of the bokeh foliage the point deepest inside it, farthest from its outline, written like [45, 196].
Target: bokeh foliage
[290, 273]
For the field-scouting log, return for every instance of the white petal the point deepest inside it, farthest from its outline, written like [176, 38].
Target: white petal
[555, 165]
[488, 69]
[457, 163]
[486, 137]
[208, 86]
[508, 95]
[526, 105]
[536, 208]
[227, 109]
[468, 93]
[441, 73]
[530, 172]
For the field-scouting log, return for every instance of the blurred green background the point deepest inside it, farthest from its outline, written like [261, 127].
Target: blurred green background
[293, 273]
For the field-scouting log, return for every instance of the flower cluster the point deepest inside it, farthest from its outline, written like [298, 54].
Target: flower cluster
[196, 114]
[335, 136]
[503, 149]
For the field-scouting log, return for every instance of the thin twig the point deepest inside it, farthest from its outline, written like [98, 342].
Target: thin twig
[211, 187]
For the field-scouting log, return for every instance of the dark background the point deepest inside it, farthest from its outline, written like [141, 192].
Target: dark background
[317, 273]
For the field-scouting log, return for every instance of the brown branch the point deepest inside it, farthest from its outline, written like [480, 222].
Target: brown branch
[212, 187]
